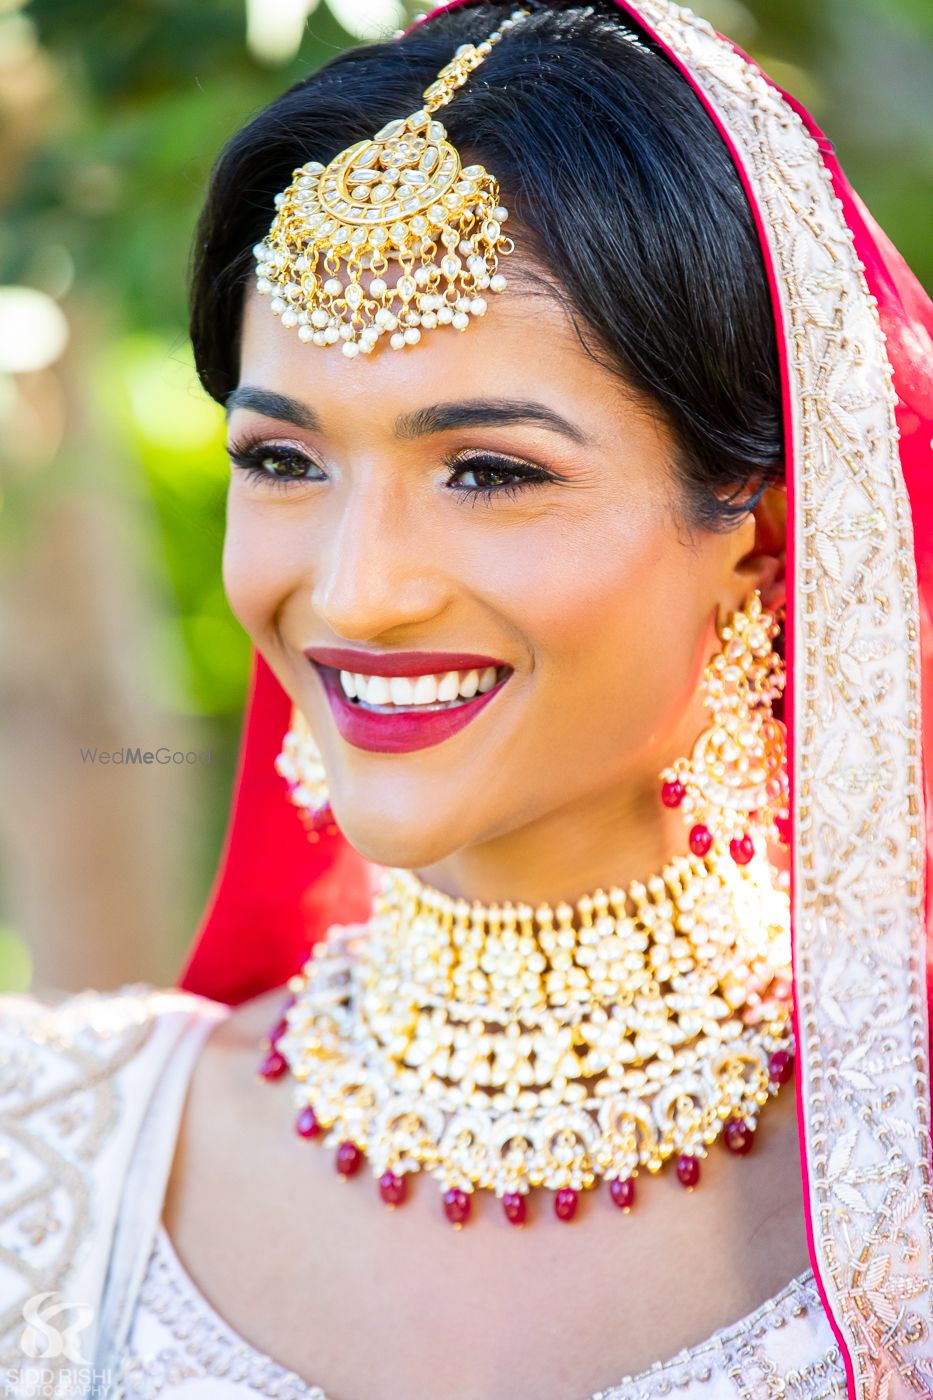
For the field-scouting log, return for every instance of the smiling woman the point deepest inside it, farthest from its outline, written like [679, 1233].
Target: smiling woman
[614, 782]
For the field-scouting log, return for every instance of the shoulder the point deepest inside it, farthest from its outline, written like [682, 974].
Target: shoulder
[76, 1078]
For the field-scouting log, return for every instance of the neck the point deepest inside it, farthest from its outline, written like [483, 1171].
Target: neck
[595, 842]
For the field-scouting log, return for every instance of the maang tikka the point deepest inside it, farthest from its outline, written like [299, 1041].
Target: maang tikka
[402, 196]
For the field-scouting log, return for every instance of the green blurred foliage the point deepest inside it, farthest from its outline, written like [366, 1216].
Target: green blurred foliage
[106, 172]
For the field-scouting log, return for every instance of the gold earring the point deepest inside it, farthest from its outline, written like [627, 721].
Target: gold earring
[735, 781]
[300, 764]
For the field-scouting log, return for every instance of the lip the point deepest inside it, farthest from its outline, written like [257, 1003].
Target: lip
[400, 663]
[407, 730]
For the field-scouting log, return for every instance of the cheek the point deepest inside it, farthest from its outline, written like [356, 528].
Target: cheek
[616, 613]
[258, 570]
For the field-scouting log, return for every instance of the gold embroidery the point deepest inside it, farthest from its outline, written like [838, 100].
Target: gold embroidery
[59, 1103]
[858, 801]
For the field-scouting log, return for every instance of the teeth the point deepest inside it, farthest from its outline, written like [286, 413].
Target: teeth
[443, 687]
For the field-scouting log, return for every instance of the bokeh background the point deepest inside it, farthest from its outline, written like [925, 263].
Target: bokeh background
[113, 626]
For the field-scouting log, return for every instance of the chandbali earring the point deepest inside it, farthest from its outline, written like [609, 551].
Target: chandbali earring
[300, 764]
[734, 785]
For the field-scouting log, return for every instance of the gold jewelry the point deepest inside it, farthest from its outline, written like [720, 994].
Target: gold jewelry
[405, 196]
[505, 1047]
[735, 781]
[300, 764]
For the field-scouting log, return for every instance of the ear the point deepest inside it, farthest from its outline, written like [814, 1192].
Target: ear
[764, 565]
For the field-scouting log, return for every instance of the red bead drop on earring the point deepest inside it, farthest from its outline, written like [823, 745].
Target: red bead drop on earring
[306, 1124]
[515, 1207]
[782, 825]
[673, 793]
[456, 1205]
[349, 1159]
[701, 838]
[738, 1136]
[688, 1170]
[741, 849]
[622, 1191]
[781, 1066]
[273, 1066]
[565, 1203]
[393, 1188]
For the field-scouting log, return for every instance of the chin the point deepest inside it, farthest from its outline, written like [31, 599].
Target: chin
[396, 842]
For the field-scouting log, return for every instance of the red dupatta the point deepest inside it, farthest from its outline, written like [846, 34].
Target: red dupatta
[854, 339]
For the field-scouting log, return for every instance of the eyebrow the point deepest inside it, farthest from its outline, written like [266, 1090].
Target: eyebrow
[436, 418]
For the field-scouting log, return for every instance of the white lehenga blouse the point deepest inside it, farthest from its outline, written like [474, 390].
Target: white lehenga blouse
[92, 1292]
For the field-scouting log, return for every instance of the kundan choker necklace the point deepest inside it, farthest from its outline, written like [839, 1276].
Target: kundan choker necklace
[510, 1047]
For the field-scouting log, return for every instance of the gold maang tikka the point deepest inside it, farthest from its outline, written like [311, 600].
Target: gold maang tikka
[404, 196]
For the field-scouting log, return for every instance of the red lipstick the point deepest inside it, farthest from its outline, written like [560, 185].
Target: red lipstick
[399, 663]
[406, 729]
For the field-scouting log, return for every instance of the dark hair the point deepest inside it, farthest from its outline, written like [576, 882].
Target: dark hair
[620, 189]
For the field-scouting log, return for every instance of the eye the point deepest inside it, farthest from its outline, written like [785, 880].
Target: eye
[279, 465]
[494, 476]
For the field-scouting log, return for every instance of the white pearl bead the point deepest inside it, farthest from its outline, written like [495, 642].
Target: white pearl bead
[377, 287]
[278, 305]
[350, 349]
[429, 320]
[397, 341]
[332, 335]
[478, 306]
[305, 333]
[319, 338]
[319, 318]
[412, 335]
[383, 316]
[260, 252]
[263, 286]
[333, 287]
[461, 321]
[346, 331]
[421, 276]
[289, 318]
[500, 214]
[498, 283]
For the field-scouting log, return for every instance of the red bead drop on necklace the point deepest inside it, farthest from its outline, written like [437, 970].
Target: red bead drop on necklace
[781, 1066]
[565, 1203]
[349, 1159]
[515, 1207]
[273, 1066]
[688, 1169]
[393, 1188]
[456, 1205]
[622, 1191]
[701, 838]
[738, 1136]
[277, 1031]
[673, 793]
[741, 849]
[306, 1124]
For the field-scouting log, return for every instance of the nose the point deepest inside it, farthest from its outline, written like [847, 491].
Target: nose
[376, 570]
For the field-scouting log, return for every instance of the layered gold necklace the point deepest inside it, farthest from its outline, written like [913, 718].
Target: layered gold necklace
[508, 1047]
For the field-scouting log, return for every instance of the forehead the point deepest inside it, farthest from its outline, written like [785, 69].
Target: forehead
[525, 345]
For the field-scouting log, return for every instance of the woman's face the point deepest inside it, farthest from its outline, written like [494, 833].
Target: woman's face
[494, 493]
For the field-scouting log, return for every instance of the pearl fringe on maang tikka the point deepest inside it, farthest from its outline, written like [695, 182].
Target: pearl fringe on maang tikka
[404, 197]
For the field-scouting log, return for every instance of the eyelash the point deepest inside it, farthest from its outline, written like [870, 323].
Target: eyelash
[251, 458]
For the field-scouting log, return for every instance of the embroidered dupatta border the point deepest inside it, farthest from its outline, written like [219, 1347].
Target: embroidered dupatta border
[858, 818]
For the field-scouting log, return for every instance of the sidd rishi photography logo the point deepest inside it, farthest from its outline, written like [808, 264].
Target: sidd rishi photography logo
[132, 757]
[56, 1364]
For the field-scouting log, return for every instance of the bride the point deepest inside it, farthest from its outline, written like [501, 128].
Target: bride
[558, 1027]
